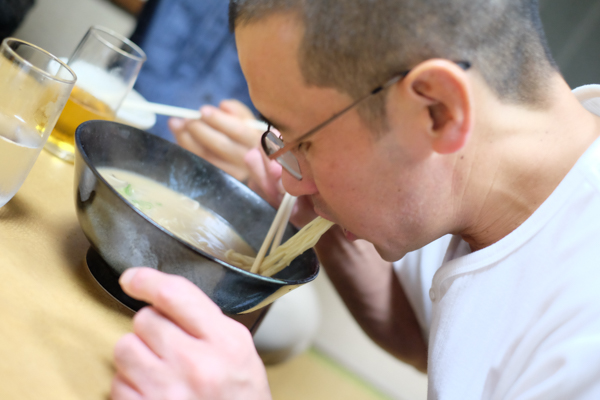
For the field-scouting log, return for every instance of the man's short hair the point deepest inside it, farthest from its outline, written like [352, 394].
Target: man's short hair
[356, 45]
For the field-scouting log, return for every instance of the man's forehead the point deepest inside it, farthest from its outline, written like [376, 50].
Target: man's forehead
[269, 45]
[268, 52]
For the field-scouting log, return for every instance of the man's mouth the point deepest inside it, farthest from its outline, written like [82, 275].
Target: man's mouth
[321, 214]
[349, 235]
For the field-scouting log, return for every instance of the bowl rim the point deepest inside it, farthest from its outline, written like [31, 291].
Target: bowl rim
[93, 168]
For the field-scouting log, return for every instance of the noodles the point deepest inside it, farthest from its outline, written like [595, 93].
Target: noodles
[283, 255]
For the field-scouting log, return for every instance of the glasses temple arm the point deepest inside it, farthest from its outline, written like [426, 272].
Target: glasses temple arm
[465, 65]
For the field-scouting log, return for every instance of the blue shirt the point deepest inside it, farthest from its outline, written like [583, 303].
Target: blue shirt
[192, 58]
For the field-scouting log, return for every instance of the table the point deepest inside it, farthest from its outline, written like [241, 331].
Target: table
[58, 325]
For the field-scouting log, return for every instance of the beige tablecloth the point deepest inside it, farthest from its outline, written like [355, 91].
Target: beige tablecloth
[57, 326]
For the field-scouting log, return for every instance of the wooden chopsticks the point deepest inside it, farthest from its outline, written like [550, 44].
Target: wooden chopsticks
[275, 233]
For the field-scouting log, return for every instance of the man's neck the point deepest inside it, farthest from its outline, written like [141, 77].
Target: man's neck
[516, 159]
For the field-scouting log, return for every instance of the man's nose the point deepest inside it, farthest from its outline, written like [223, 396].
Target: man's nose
[295, 187]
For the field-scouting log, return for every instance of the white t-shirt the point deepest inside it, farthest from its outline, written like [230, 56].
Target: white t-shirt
[519, 319]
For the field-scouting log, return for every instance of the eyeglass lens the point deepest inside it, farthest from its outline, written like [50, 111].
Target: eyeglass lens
[287, 160]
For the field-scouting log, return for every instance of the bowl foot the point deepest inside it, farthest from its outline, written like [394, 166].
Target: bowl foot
[109, 281]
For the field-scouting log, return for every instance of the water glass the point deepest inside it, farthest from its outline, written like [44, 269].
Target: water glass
[34, 87]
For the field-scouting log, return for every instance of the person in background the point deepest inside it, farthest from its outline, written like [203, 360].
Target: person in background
[192, 58]
[12, 13]
[192, 62]
[439, 133]
[134, 7]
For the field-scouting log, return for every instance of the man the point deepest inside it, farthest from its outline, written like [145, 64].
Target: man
[196, 64]
[463, 126]
[192, 58]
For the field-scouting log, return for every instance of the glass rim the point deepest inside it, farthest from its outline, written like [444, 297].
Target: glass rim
[141, 56]
[5, 46]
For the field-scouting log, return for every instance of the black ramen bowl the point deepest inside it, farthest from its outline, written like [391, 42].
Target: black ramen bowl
[123, 237]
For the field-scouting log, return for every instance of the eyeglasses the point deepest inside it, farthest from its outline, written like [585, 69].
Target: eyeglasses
[275, 149]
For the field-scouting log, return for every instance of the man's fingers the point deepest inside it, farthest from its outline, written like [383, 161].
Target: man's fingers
[122, 390]
[235, 168]
[239, 172]
[216, 141]
[176, 125]
[232, 126]
[133, 359]
[256, 168]
[237, 108]
[264, 177]
[157, 332]
[173, 296]
[187, 142]
[273, 177]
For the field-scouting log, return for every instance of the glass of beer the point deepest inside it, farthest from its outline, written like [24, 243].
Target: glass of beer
[107, 65]
[34, 87]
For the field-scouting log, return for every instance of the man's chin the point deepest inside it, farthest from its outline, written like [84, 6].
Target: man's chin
[388, 254]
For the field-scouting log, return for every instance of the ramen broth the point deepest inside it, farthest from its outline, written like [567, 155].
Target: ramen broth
[179, 214]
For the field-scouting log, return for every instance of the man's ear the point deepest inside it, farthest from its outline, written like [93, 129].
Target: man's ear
[442, 86]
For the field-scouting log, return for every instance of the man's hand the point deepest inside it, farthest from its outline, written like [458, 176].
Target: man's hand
[221, 136]
[183, 347]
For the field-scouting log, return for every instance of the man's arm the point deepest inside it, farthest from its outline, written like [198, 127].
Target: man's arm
[371, 291]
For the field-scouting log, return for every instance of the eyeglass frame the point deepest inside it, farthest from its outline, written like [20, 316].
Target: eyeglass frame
[465, 65]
